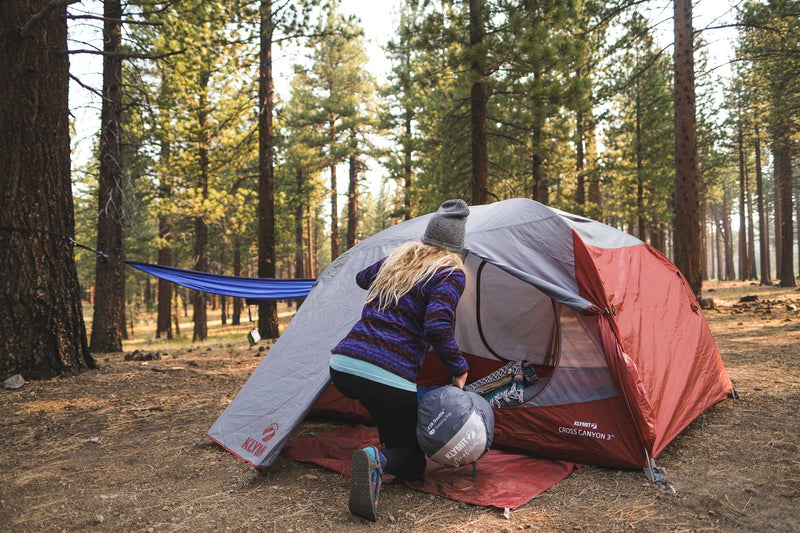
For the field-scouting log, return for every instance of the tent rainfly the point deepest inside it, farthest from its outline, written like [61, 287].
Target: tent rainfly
[624, 355]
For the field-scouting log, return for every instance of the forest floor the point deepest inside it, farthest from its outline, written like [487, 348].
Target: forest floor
[116, 450]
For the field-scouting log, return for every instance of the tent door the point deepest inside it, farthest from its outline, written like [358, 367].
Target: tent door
[550, 358]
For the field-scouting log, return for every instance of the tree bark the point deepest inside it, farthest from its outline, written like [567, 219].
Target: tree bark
[639, 170]
[763, 227]
[267, 310]
[797, 216]
[352, 204]
[540, 185]
[783, 181]
[751, 235]
[108, 323]
[478, 102]
[720, 244]
[299, 256]
[311, 264]
[42, 332]
[704, 242]
[236, 314]
[744, 263]
[580, 178]
[687, 219]
[199, 312]
[334, 200]
[408, 171]
[730, 271]
[776, 199]
[595, 192]
[177, 315]
[163, 321]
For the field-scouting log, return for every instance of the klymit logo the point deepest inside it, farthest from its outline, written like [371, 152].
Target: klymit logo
[459, 447]
[258, 448]
[592, 425]
[269, 432]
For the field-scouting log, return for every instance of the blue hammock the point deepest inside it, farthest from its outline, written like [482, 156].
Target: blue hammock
[250, 288]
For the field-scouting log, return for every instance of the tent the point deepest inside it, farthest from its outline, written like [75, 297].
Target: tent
[624, 355]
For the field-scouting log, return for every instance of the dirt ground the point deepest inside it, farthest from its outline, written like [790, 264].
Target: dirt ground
[116, 450]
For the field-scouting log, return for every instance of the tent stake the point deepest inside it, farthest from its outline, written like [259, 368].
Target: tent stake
[242, 480]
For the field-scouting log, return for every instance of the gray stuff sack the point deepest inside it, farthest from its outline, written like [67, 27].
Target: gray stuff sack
[454, 427]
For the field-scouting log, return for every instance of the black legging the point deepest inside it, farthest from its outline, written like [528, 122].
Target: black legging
[394, 412]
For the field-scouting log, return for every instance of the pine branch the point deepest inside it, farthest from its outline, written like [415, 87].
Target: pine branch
[74, 78]
[121, 21]
[125, 55]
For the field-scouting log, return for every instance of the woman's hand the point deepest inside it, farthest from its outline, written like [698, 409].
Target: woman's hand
[460, 381]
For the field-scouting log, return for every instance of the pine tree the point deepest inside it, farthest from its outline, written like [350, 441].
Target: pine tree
[770, 36]
[202, 123]
[342, 84]
[401, 111]
[640, 136]
[108, 323]
[687, 221]
[41, 322]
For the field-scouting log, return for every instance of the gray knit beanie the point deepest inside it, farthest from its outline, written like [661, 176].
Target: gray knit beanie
[446, 227]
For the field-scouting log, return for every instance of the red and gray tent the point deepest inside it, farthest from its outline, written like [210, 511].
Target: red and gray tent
[624, 355]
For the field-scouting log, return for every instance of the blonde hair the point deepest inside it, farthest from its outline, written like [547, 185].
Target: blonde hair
[410, 264]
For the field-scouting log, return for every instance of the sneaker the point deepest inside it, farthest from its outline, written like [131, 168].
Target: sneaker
[365, 482]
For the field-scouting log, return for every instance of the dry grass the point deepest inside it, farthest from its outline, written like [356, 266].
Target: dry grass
[114, 450]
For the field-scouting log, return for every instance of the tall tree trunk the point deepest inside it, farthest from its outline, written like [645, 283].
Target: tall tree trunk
[776, 202]
[751, 236]
[236, 315]
[478, 102]
[540, 186]
[763, 231]
[704, 241]
[108, 323]
[797, 216]
[744, 262]
[595, 193]
[408, 171]
[639, 170]
[783, 181]
[713, 253]
[334, 215]
[42, 332]
[658, 238]
[177, 314]
[163, 319]
[730, 272]
[720, 238]
[267, 310]
[122, 307]
[299, 254]
[352, 204]
[147, 296]
[312, 254]
[299, 266]
[580, 178]
[687, 217]
[199, 311]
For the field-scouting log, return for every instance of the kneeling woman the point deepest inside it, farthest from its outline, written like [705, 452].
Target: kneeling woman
[410, 306]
